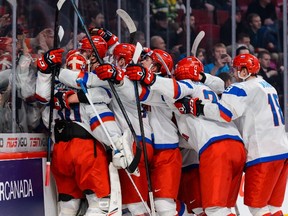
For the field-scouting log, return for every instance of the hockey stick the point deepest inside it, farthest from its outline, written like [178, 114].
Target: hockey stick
[196, 42]
[136, 55]
[138, 49]
[58, 35]
[129, 23]
[110, 140]
[133, 166]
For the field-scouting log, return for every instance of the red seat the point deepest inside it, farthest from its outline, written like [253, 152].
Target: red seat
[212, 35]
[222, 16]
[202, 16]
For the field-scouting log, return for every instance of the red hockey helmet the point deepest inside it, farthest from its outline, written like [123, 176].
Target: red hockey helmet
[157, 54]
[124, 50]
[191, 65]
[75, 60]
[99, 43]
[247, 61]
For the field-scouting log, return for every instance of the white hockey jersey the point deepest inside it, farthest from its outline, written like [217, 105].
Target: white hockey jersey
[200, 133]
[254, 107]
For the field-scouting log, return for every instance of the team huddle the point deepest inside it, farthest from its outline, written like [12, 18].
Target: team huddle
[197, 138]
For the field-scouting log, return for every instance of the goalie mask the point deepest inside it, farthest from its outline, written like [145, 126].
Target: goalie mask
[156, 54]
[124, 50]
[76, 61]
[191, 65]
[99, 43]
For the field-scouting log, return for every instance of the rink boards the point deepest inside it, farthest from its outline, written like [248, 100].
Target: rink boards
[22, 188]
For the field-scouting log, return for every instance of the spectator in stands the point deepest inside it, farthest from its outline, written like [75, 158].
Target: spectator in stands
[182, 32]
[221, 61]
[225, 31]
[157, 42]
[140, 37]
[271, 75]
[160, 26]
[261, 37]
[97, 19]
[243, 39]
[201, 55]
[242, 50]
[265, 9]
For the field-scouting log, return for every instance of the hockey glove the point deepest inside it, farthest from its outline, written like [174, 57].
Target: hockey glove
[137, 72]
[109, 72]
[188, 105]
[106, 35]
[61, 100]
[49, 60]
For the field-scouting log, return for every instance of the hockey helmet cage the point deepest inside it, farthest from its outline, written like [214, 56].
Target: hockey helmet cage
[166, 58]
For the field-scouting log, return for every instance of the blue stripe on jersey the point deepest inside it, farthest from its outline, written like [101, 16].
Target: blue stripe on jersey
[177, 92]
[77, 114]
[225, 113]
[215, 139]
[186, 83]
[108, 91]
[165, 145]
[181, 211]
[146, 92]
[147, 141]
[267, 159]
[235, 90]
[102, 115]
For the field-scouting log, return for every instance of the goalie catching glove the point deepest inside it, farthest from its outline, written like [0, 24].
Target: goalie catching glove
[137, 72]
[50, 60]
[188, 105]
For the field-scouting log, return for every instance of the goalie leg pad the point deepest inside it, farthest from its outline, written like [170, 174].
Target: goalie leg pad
[97, 206]
[68, 208]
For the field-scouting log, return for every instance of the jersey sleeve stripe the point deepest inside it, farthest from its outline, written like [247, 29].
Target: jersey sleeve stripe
[144, 93]
[177, 90]
[225, 113]
[105, 117]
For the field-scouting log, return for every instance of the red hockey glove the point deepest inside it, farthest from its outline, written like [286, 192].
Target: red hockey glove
[137, 72]
[109, 72]
[106, 35]
[49, 60]
[188, 105]
[61, 100]
[183, 73]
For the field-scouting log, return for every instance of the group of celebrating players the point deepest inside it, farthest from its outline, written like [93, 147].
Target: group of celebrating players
[197, 138]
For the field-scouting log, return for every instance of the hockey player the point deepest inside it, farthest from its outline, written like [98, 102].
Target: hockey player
[85, 169]
[132, 198]
[220, 165]
[253, 105]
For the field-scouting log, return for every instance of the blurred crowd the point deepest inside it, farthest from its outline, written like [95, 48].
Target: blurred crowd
[258, 31]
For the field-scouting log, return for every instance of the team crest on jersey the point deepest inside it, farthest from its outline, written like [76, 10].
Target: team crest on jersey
[186, 137]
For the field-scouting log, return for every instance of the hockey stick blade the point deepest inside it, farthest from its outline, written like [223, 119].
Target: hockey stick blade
[127, 19]
[137, 53]
[129, 23]
[196, 42]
